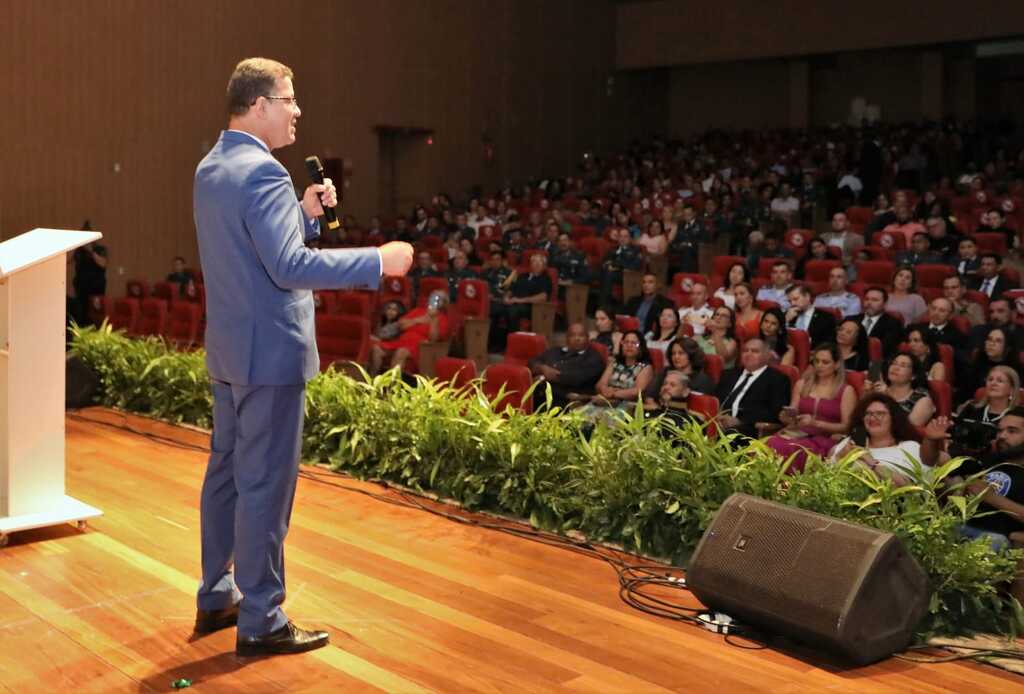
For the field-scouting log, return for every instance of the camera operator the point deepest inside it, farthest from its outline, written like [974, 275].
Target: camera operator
[1002, 487]
[975, 424]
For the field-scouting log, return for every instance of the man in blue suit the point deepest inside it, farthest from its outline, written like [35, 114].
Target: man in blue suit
[261, 350]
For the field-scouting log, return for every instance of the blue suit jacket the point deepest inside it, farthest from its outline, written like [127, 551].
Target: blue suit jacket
[257, 270]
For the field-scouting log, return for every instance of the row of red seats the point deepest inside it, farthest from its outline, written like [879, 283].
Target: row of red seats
[179, 323]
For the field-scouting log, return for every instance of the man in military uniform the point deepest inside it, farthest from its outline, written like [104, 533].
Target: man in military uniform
[625, 256]
[571, 263]
[457, 271]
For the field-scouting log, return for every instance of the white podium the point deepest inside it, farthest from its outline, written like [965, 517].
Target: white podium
[32, 361]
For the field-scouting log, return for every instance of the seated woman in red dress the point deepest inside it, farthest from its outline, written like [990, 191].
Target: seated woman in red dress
[419, 324]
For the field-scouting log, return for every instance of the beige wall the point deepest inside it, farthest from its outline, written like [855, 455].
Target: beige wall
[682, 32]
[140, 83]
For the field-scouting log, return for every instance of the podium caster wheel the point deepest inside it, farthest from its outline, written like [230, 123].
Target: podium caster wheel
[4, 539]
[82, 525]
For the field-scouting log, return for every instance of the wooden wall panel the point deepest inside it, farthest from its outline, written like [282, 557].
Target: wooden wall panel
[140, 83]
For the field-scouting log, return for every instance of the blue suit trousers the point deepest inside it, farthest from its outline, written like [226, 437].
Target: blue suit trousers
[246, 501]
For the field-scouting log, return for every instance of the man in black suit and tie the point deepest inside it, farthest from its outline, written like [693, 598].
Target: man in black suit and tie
[988, 281]
[752, 393]
[1001, 314]
[648, 306]
[944, 332]
[820, 325]
[877, 323]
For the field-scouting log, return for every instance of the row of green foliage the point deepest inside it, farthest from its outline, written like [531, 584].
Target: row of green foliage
[628, 484]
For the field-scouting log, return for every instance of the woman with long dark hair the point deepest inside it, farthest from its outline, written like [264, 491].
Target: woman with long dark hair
[852, 340]
[922, 345]
[773, 331]
[905, 381]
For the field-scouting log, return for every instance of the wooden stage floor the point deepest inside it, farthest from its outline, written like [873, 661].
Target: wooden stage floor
[413, 602]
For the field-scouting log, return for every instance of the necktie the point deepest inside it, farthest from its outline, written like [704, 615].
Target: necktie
[869, 323]
[736, 390]
[986, 287]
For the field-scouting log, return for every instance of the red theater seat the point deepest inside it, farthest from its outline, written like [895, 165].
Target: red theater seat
[342, 339]
[522, 347]
[516, 381]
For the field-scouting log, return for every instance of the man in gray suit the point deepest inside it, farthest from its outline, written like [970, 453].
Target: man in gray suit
[261, 350]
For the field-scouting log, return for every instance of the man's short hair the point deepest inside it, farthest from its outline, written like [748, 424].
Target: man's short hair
[991, 254]
[922, 235]
[1015, 411]
[885, 294]
[253, 78]
[802, 288]
[783, 263]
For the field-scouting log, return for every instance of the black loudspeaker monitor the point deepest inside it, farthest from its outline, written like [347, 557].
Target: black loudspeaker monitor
[843, 588]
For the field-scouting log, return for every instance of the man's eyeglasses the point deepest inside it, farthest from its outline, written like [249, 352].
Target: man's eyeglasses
[290, 99]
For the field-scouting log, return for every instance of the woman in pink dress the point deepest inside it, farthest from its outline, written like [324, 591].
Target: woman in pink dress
[820, 409]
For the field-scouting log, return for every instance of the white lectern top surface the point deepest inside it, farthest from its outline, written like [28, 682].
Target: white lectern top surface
[39, 245]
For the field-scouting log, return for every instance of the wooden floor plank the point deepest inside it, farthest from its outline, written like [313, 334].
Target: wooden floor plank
[413, 602]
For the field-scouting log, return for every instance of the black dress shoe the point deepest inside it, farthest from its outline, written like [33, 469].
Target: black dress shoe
[209, 621]
[287, 639]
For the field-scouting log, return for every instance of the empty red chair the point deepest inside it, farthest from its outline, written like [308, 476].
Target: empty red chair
[522, 347]
[801, 342]
[874, 349]
[932, 274]
[991, 242]
[797, 240]
[657, 359]
[152, 318]
[859, 215]
[100, 307]
[325, 301]
[856, 379]
[182, 329]
[891, 241]
[516, 382]
[875, 272]
[942, 396]
[626, 322]
[473, 299]
[817, 270]
[764, 266]
[396, 289]
[353, 304]
[459, 372]
[790, 372]
[136, 289]
[342, 339]
[720, 264]
[124, 314]
[429, 285]
[706, 405]
[713, 367]
[168, 291]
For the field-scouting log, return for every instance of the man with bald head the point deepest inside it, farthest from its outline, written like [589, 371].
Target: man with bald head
[752, 392]
[572, 371]
[939, 312]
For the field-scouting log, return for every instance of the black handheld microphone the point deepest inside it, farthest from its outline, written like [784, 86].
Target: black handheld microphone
[316, 172]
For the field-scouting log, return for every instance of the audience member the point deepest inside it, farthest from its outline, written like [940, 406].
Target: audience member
[974, 427]
[879, 324]
[719, 336]
[841, 237]
[942, 242]
[988, 281]
[458, 271]
[904, 299]
[852, 343]
[572, 370]
[752, 393]
[699, 312]
[944, 332]
[648, 306]
[837, 296]
[628, 372]
[605, 331]
[517, 303]
[425, 267]
[773, 333]
[904, 224]
[953, 288]
[923, 347]
[672, 401]
[625, 256]
[736, 275]
[996, 350]
[180, 275]
[905, 381]
[820, 407]
[884, 437]
[426, 323]
[968, 261]
[685, 356]
[920, 252]
[570, 262]
[816, 250]
[684, 242]
[778, 290]
[819, 325]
